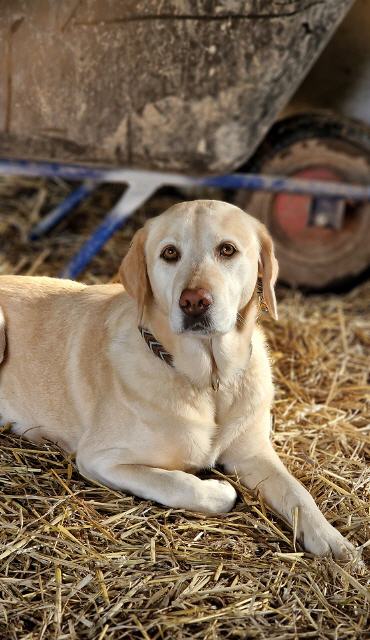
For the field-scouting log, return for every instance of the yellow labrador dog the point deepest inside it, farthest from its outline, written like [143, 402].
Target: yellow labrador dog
[149, 384]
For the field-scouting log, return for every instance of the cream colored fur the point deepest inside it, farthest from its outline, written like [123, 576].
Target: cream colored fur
[76, 371]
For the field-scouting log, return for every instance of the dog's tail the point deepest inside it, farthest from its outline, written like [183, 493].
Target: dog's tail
[2, 336]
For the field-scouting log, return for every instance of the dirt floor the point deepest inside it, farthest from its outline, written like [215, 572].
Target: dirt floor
[80, 561]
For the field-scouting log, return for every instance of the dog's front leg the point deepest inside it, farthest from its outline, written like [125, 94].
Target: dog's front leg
[252, 457]
[176, 489]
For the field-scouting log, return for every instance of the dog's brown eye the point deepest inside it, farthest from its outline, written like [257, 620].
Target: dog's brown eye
[226, 250]
[170, 254]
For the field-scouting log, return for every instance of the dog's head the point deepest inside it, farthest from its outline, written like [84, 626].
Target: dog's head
[200, 261]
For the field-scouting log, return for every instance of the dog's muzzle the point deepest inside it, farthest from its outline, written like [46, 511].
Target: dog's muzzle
[195, 305]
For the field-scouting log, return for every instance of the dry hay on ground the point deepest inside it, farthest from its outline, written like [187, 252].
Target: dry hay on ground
[81, 561]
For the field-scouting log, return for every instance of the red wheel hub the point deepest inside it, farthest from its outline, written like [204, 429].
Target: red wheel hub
[290, 212]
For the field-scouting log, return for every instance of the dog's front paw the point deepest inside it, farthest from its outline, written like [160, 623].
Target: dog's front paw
[218, 496]
[320, 538]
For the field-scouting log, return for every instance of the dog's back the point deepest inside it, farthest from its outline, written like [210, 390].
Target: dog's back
[33, 315]
[50, 332]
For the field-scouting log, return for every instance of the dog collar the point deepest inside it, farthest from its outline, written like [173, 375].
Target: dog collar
[159, 351]
[156, 347]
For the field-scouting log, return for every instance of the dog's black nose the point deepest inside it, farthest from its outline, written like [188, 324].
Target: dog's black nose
[195, 302]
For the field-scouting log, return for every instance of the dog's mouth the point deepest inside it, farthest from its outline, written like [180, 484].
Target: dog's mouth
[199, 325]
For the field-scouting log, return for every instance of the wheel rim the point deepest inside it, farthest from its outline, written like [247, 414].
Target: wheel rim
[317, 147]
[288, 218]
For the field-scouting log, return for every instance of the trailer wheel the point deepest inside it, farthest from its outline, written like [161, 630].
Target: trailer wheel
[322, 147]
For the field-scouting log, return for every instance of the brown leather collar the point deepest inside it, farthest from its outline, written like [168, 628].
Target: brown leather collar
[159, 351]
[156, 346]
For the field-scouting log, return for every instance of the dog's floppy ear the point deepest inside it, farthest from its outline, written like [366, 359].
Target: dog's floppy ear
[133, 271]
[267, 269]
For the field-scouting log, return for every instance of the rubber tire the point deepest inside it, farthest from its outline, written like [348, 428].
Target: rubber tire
[303, 141]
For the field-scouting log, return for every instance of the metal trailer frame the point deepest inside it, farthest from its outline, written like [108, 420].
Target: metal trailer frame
[327, 205]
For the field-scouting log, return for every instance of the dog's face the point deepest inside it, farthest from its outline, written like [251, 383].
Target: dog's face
[200, 261]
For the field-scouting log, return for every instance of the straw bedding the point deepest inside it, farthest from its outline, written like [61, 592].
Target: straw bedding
[78, 560]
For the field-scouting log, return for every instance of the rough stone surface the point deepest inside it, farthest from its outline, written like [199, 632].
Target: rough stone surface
[187, 85]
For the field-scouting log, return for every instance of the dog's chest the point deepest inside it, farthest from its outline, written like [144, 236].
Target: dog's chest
[204, 441]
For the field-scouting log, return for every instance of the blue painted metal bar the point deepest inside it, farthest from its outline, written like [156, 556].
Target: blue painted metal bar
[282, 184]
[58, 213]
[255, 182]
[142, 184]
[132, 199]
[50, 170]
